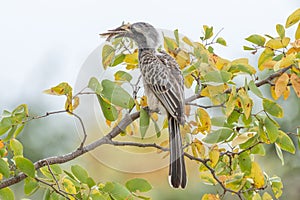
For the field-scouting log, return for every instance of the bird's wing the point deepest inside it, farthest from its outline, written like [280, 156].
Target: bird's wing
[165, 80]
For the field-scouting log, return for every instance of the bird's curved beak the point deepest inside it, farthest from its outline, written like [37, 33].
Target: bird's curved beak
[121, 31]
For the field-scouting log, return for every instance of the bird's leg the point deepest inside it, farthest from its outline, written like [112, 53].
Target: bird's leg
[150, 111]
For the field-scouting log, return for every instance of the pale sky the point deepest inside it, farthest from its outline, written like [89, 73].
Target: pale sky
[45, 42]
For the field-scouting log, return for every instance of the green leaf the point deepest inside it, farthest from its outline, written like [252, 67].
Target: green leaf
[219, 121]
[5, 125]
[285, 142]
[56, 170]
[157, 129]
[95, 85]
[245, 163]
[208, 32]
[116, 94]
[144, 122]
[218, 76]
[30, 186]
[272, 108]
[6, 194]
[170, 43]
[244, 68]
[108, 54]
[47, 194]
[80, 173]
[280, 30]
[118, 59]
[276, 186]
[248, 48]
[117, 191]
[272, 129]
[16, 147]
[221, 41]
[109, 111]
[122, 76]
[176, 36]
[90, 182]
[218, 135]
[256, 39]
[138, 184]
[259, 150]
[19, 130]
[279, 154]
[4, 168]
[25, 165]
[255, 89]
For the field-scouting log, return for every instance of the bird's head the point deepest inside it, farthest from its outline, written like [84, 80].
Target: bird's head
[144, 34]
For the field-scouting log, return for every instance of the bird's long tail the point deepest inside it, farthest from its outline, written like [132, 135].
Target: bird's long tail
[177, 172]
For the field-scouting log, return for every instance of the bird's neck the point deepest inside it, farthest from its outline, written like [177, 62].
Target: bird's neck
[141, 50]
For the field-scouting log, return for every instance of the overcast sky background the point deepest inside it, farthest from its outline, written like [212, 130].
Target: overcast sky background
[45, 42]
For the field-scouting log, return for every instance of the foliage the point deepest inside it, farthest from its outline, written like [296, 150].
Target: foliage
[225, 147]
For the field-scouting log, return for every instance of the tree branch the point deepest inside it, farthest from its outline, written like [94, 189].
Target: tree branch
[128, 119]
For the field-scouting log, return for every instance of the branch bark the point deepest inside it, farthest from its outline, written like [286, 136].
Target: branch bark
[128, 119]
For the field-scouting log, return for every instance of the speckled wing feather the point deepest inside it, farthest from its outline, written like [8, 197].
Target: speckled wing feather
[162, 75]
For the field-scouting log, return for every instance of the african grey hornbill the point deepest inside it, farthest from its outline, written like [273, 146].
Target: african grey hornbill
[164, 88]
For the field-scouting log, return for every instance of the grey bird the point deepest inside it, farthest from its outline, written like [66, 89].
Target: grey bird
[164, 88]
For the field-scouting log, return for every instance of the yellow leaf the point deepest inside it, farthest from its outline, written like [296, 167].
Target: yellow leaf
[285, 62]
[194, 150]
[138, 107]
[208, 178]
[75, 102]
[183, 59]
[230, 104]
[272, 89]
[130, 66]
[1, 144]
[199, 147]
[132, 59]
[246, 102]
[264, 57]
[154, 116]
[267, 196]
[108, 122]
[297, 34]
[295, 80]
[187, 41]
[215, 93]
[163, 144]
[286, 93]
[188, 81]
[296, 44]
[240, 61]
[210, 197]
[129, 130]
[220, 63]
[185, 129]
[242, 138]
[187, 110]
[214, 155]
[281, 84]
[257, 175]
[203, 120]
[69, 187]
[143, 101]
[278, 43]
[293, 18]
[61, 89]
[108, 54]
